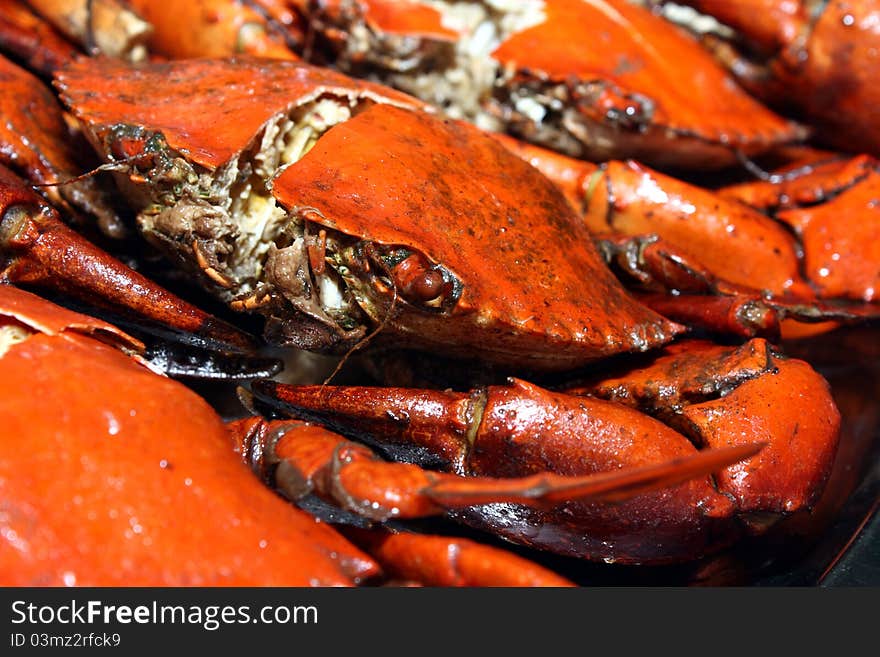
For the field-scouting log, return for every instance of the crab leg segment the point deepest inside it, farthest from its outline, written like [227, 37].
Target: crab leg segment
[37, 249]
[446, 561]
[31, 40]
[299, 458]
[36, 143]
[746, 316]
[820, 178]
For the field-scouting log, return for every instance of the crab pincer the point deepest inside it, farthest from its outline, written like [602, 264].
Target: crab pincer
[727, 395]
[524, 437]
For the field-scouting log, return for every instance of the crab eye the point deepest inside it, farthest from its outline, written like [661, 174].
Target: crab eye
[419, 281]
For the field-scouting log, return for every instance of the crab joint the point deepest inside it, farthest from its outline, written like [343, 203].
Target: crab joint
[16, 227]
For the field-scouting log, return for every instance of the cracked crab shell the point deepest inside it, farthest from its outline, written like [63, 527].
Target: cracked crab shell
[530, 288]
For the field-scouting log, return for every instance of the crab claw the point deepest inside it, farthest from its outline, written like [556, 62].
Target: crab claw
[523, 431]
[832, 208]
[730, 395]
[310, 459]
[37, 249]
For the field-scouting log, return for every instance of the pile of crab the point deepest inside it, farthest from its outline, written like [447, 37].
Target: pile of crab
[552, 248]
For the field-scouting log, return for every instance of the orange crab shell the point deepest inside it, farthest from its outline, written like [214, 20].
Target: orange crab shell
[546, 311]
[113, 475]
[215, 94]
[535, 291]
[643, 88]
[700, 104]
[821, 63]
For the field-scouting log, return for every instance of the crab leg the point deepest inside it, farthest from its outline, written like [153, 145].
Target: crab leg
[675, 285]
[801, 184]
[446, 561]
[31, 40]
[36, 142]
[745, 316]
[287, 456]
[37, 249]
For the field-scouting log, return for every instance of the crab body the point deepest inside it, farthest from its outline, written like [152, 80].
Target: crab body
[334, 206]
